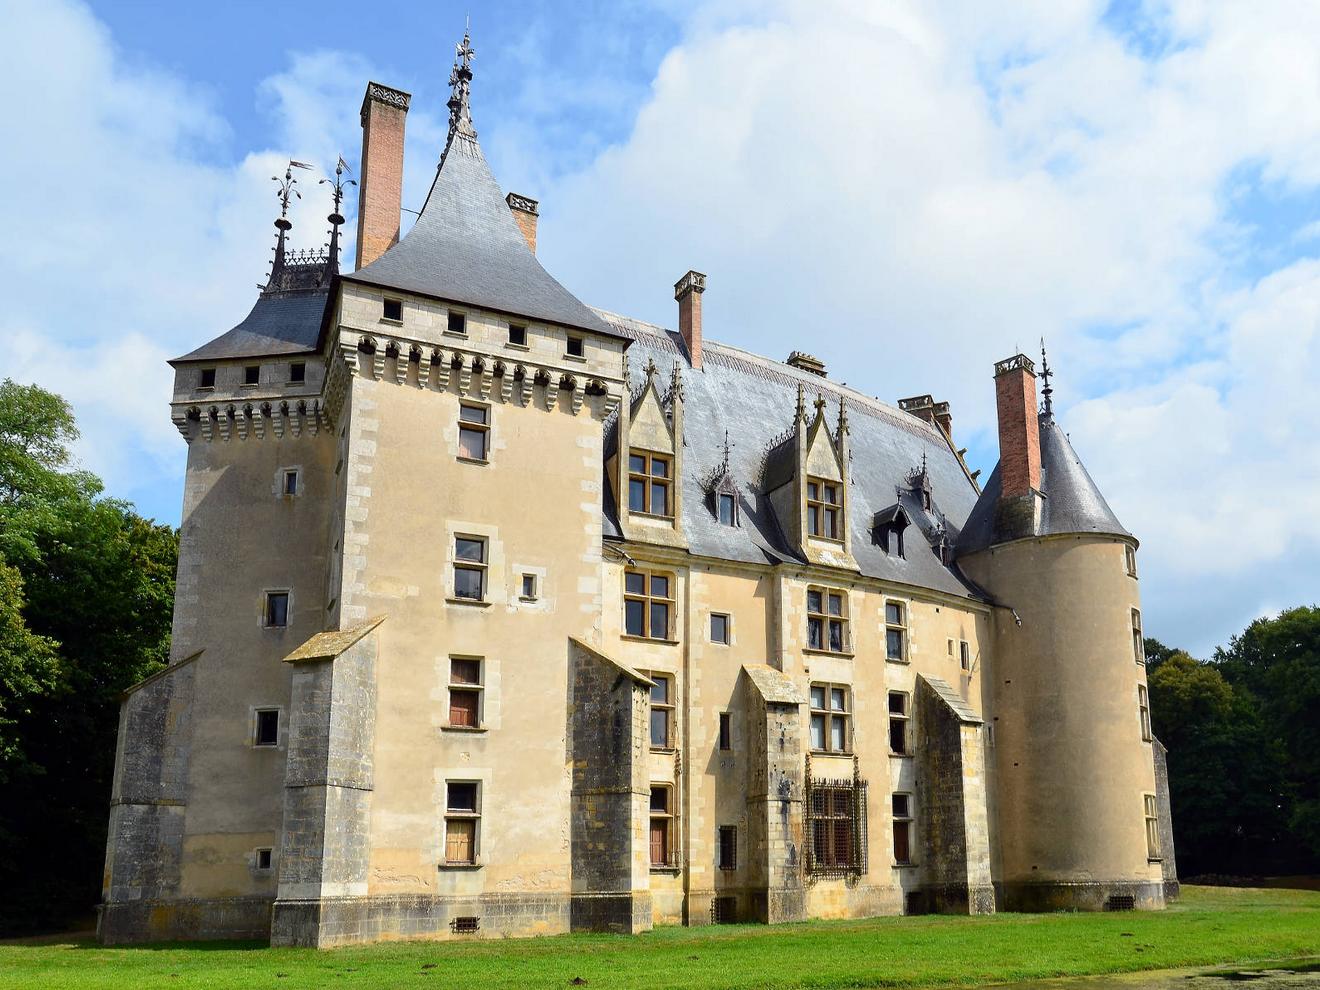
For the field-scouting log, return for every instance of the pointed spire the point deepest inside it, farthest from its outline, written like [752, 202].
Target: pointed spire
[801, 404]
[336, 218]
[727, 447]
[284, 193]
[651, 370]
[1048, 391]
[675, 383]
[843, 418]
[820, 406]
[460, 109]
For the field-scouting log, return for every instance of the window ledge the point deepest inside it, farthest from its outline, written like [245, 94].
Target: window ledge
[576, 358]
[455, 333]
[1154, 859]
[250, 385]
[472, 602]
[901, 756]
[825, 539]
[650, 515]
[897, 660]
[664, 749]
[904, 866]
[828, 653]
[294, 384]
[464, 728]
[519, 347]
[842, 753]
[648, 639]
[389, 322]
[204, 388]
[528, 598]
[460, 866]
[672, 871]
[472, 460]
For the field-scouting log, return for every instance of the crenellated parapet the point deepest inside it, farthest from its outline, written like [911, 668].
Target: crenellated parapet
[240, 421]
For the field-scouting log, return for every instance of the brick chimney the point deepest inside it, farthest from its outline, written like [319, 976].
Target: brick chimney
[688, 290]
[380, 189]
[1019, 429]
[524, 210]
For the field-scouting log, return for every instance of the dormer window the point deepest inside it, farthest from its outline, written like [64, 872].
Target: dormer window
[823, 509]
[727, 507]
[649, 480]
[457, 324]
[207, 378]
[887, 529]
[392, 310]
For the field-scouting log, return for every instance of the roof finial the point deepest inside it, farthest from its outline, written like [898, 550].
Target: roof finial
[727, 447]
[650, 369]
[843, 417]
[460, 110]
[1048, 390]
[801, 402]
[820, 405]
[283, 193]
[336, 218]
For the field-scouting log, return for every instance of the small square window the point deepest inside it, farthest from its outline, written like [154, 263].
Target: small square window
[726, 731]
[207, 379]
[290, 482]
[268, 727]
[517, 334]
[277, 609]
[719, 628]
[392, 309]
[264, 857]
[252, 374]
[298, 372]
[529, 587]
[576, 347]
[457, 323]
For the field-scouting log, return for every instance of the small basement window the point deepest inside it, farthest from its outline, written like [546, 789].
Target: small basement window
[277, 609]
[267, 727]
[576, 347]
[207, 378]
[392, 309]
[465, 925]
[252, 374]
[457, 323]
[297, 372]
[517, 335]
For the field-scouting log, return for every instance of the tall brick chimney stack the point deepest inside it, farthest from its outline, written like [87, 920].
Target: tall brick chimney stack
[380, 189]
[1019, 428]
[525, 211]
[688, 290]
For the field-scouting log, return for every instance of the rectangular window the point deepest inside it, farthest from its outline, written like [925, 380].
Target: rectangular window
[1143, 706]
[965, 654]
[662, 711]
[517, 335]
[290, 482]
[462, 817]
[836, 826]
[824, 507]
[267, 728]
[827, 620]
[899, 717]
[392, 309]
[1130, 558]
[297, 372]
[1152, 827]
[473, 432]
[277, 609]
[465, 689]
[831, 729]
[728, 509]
[719, 628]
[576, 346]
[726, 731]
[1138, 645]
[252, 374]
[902, 829]
[728, 847]
[470, 568]
[649, 479]
[662, 820]
[457, 323]
[895, 631]
[264, 858]
[529, 587]
[648, 603]
[207, 378]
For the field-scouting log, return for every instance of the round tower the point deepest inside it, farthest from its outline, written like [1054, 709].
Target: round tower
[1075, 797]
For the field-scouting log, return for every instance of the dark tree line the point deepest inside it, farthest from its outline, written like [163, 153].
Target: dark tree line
[86, 598]
[1243, 733]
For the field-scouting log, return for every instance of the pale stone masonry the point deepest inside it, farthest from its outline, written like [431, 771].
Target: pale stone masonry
[499, 615]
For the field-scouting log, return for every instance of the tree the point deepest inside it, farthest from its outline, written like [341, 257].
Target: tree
[29, 667]
[1156, 652]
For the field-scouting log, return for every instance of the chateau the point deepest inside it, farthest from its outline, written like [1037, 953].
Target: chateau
[502, 615]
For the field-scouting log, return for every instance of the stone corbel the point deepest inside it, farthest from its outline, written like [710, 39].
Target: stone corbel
[207, 423]
[278, 420]
[378, 361]
[506, 384]
[464, 375]
[349, 352]
[423, 370]
[180, 420]
[225, 421]
[526, 383]
[551, 392]
[442, 369]
[576, 391]
[295, 421]
[483, 386]
[609, 402]
[314, 417]
[401, 359]
[259, 421]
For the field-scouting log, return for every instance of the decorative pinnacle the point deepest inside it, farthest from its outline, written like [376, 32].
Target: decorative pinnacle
[727, 447]
[801, 403]
[336, 218]
[1045, 374]
[460, 82]
[650, 369]
[820, 405]
[286, 190]
[843, 417]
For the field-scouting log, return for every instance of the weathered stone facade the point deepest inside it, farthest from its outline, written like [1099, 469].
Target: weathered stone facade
[502, 616]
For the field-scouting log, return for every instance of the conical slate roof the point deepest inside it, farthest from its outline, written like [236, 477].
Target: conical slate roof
[466, 247]
[1072, 504]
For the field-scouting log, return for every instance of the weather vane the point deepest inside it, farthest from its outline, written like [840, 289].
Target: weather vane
[1045, 373]
[286, 190]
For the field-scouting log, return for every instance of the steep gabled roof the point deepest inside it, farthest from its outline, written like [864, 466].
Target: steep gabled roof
[466, 247]
[1072, 504]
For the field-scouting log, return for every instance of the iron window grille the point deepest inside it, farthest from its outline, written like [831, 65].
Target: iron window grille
[836, 826]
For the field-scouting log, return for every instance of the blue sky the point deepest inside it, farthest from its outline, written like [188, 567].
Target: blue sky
[912, 190]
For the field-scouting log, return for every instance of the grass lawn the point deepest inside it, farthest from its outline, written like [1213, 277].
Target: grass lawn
[1208, 926]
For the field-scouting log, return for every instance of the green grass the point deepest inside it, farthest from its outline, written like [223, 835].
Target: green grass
[1208, 926]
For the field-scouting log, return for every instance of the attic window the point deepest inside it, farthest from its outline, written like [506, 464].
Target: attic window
[576, 347]
[252, 374]
[457, 323]
[392, 309]
[207, 379]
[517, 335]
[297, 372]
[727, 508]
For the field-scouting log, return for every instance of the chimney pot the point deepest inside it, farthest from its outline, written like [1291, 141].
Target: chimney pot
[1019, 427]
[807, 362]
[525, 210]
[688, 290]
[380, 182]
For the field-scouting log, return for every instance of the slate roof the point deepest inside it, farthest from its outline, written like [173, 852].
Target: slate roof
[1072, 504]
[755, 398]
[961, 710]
[277, 324]
[466, 247]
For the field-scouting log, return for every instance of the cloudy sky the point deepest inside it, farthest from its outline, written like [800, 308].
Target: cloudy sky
[910, 190]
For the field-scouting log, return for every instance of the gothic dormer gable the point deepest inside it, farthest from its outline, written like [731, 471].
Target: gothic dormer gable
[824, 459]
[647, 469]
[652, 416]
